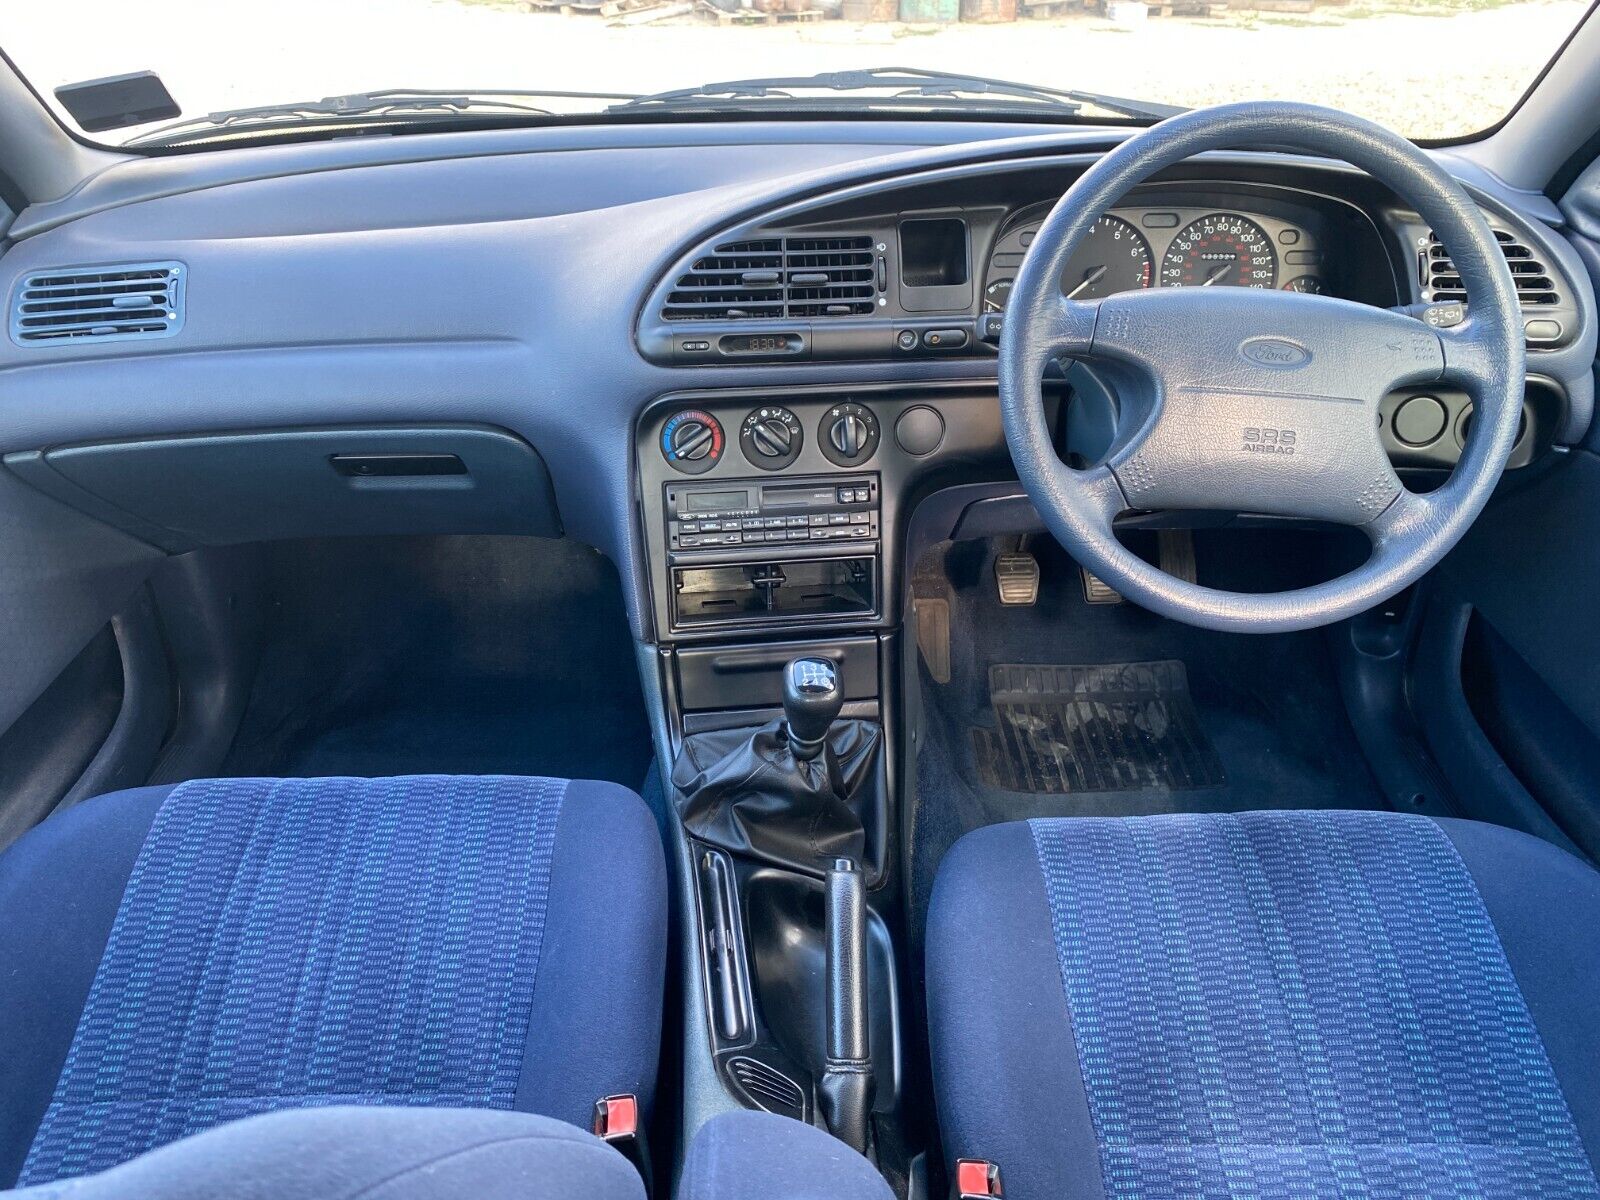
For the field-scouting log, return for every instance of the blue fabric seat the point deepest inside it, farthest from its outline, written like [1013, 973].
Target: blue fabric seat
[470, 1154]
[174, 958]
[370, 1153]
[1275, 1004]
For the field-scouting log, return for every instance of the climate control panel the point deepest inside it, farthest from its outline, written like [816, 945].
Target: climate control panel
[771, 437]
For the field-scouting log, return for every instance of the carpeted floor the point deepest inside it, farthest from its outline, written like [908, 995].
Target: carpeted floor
[1267, 707]
[474, 655]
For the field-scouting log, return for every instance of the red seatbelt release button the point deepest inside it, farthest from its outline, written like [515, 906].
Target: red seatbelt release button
[616, 1118]
[976, 1179]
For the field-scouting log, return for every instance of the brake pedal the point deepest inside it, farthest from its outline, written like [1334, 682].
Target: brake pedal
[1175, 548]
[1016, 575]
[1097, 590]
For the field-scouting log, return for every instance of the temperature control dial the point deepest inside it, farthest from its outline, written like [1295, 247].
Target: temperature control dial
[849, 434]
[771, 438]
[692, 441]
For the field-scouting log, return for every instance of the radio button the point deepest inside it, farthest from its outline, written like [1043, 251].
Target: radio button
[860, 518]
[838, 518]
[795, 522]
[819, 518]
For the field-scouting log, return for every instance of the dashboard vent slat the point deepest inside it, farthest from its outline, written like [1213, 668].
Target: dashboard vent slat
[98, 304]
[1535, 285]
[777, 277]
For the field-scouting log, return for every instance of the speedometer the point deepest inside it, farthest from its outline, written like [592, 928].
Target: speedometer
[1223, 249]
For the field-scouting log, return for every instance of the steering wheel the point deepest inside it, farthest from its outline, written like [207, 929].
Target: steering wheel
[1255, 401]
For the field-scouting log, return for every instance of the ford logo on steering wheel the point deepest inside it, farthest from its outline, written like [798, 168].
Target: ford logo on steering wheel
[1275, 352]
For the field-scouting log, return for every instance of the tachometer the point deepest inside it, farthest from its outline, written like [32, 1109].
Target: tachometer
[1113, 258]
[1221, 250]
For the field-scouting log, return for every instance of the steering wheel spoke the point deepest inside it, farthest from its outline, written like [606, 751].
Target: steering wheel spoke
[1409, 515]
[1472, 355]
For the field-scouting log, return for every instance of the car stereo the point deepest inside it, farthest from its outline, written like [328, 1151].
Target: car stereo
[745, 514]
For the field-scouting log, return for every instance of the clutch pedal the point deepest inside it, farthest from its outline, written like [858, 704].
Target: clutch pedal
[1016, 575]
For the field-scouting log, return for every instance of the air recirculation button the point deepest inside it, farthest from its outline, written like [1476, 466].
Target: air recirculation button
[771, 438]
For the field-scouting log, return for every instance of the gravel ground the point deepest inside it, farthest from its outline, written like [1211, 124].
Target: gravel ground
[1430, 68]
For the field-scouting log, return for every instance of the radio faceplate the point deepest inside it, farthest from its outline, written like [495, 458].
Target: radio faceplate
[745, 514]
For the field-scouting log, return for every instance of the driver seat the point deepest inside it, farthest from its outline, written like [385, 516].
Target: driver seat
[1269, 1004]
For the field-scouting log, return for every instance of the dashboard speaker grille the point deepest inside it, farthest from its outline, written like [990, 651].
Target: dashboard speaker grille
[1535, 285]
[98, 304]
[777, 277]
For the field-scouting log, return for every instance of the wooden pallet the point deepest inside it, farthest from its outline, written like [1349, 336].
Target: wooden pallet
[748, 16]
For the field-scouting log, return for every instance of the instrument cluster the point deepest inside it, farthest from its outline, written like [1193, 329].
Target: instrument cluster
[1167, 246]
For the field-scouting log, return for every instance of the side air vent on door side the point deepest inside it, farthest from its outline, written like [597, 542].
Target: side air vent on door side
[1535, 284]
[98, 304]
[778, 277]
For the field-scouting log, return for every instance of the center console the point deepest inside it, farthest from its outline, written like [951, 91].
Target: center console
[773, 525]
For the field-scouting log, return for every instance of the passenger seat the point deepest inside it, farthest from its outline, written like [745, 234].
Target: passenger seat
[173, 958]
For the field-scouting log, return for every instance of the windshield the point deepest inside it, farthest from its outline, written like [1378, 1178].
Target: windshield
[1427, 68]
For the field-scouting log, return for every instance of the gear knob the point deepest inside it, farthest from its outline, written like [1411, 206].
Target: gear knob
[812, 698]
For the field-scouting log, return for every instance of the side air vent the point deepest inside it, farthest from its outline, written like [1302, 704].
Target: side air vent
[98, 304]
[1535, 285]
[777, 277]
[768, 1087]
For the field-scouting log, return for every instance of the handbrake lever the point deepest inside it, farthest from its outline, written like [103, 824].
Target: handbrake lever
[847, 1087]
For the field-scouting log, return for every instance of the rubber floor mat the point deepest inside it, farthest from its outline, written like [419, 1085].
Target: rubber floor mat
[1101, 728]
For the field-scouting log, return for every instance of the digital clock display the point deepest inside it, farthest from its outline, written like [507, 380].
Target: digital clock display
[760, 343]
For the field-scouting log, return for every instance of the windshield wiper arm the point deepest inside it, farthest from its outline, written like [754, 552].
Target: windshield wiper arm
[391, 101]
[903, 84]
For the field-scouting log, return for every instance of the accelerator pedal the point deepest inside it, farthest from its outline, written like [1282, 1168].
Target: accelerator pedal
[1176, 549]
[1016, 575]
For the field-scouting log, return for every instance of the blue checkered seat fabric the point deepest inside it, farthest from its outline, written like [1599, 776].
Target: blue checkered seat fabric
[1273, 1004]
[175, 958]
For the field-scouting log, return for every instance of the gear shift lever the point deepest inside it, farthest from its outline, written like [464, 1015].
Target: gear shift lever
[812, 698]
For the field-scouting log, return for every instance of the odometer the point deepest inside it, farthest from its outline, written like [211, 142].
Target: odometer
[1221, 250]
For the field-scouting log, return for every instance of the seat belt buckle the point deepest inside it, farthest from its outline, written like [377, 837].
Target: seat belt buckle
[616, 1122]
[975, 1179]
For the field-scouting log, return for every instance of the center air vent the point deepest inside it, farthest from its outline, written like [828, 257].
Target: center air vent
[777, 277]
[1535, 286]
[98, 304]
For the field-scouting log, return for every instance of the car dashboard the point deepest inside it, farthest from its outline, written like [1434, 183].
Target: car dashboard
[706, 351]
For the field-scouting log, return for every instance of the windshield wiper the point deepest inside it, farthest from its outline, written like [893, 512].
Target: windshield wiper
[904, 86]
[373, 107]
